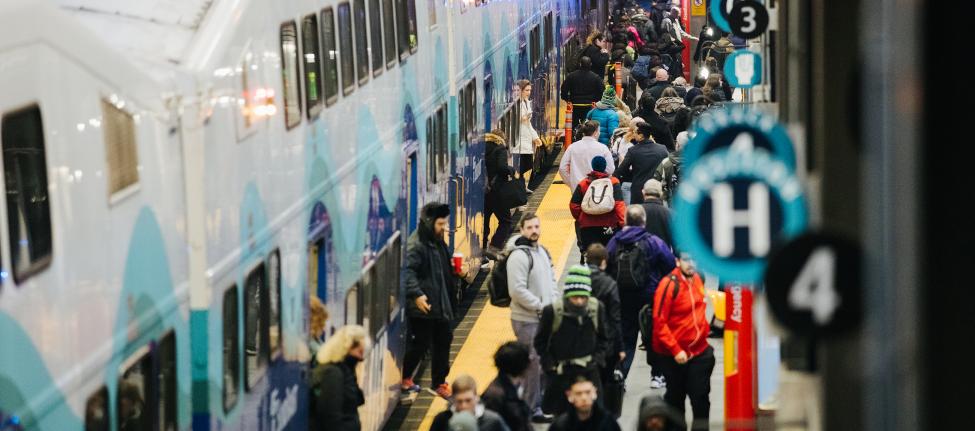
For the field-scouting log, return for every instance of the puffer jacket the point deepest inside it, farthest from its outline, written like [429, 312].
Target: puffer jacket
[674, 112]
[608, 120]
[338, 396]
[428, 272]
[614, 218]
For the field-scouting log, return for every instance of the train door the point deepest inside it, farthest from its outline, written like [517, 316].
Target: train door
[412, 200]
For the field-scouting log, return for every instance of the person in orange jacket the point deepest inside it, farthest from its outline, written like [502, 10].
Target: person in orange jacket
[680, 339]
[601, 213]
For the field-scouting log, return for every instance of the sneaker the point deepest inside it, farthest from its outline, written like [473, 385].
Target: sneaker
[539, 417]
[408, 386]
[530, 191]
[442, 391]
[658, 382]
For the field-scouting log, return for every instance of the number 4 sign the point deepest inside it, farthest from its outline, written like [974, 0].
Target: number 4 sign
[813, 284]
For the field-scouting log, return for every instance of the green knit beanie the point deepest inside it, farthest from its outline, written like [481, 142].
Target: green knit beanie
[578, 283]
[609, 96]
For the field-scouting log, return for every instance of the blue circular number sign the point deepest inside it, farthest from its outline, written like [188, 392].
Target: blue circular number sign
[738, 126]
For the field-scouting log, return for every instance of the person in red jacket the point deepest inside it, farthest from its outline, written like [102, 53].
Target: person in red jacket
[680, 338]
[598, 217]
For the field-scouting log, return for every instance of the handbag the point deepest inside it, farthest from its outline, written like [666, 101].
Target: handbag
[510, 192]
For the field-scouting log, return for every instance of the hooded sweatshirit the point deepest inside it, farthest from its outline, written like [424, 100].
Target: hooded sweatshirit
[531, 288]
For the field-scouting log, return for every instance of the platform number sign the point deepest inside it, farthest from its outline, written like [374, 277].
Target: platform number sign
[812, 284]
[742, 127]
[721, 13]
[748, 19]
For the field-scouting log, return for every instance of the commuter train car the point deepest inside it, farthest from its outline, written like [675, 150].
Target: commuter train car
[182, 177]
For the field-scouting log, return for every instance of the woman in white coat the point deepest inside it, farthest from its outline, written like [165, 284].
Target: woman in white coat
[524, 148]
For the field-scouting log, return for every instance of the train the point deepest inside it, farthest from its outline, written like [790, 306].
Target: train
[183, 177]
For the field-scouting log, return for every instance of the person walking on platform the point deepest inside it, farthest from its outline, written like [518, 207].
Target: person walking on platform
[604, 289]
[659, 129]
[641, 161]
[430, 285]
[586, 414]
[336, 396]
[597, 49]
[528, 139]
[532, 285]
[496, 162]
[668, 172]
[657, 415]
[465, 399]
[576, 162]
[661, 81]
[512, 361]
[605, 113]
[572, 339]
[582, 88]
[637, 260]
[597, 205]
[680, 338]
[658, 215]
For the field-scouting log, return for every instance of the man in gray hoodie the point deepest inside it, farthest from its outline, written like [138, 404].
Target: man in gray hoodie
[532, 285]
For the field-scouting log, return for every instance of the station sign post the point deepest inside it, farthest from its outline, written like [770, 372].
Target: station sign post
[740, 389]
[568, 124]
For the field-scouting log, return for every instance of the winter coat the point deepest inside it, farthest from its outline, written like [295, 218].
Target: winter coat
[576, 162]
[658, 220]
[582, 87]
[486, 420]
[619, 145]
[530, 289]
[665, 173]
[428, 272]
[660, 260]
[502, 396]
[658, 87]
[672, 110]
[608, 120]
[639, 165]
[578, 337]
[598, 57]
[692, 94]
[680, 323]
[604, 289]
[496, 160]
[613, 219]
[338, 396]
[526, 131]
[600, 420]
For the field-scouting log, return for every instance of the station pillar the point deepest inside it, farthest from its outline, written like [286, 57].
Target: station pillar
[568, 124]
[739, 359]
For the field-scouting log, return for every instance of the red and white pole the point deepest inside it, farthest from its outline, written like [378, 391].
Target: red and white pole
[740, 395]
[619, 80]
[568, 124]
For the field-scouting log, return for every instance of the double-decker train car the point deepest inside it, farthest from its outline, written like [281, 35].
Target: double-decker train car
[182, 177]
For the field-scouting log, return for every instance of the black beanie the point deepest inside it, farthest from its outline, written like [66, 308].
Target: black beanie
[435, 210]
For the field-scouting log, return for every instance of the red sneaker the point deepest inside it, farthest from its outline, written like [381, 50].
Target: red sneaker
[408, 386]
[443, 391]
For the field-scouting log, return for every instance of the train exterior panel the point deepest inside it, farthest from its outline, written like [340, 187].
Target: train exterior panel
[263, 177]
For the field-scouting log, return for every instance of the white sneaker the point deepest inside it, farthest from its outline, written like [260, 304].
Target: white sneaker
[658, 382]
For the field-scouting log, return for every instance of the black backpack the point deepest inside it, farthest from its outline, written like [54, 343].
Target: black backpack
[498, 285]
[646, 318]
[671, 183]
[632, 272]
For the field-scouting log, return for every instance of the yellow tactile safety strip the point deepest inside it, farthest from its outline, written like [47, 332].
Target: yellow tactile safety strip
[493, 326]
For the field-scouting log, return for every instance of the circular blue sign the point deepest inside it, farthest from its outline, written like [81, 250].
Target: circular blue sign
[732, 207]
[743, 69]
[738, 125]
[720, 12]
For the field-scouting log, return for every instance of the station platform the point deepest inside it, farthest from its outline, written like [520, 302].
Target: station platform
[485, 327]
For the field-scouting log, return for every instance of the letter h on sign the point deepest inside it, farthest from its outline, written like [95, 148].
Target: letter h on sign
[726, 218]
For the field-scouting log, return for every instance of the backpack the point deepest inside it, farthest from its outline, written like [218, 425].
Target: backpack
[646, 318]
[498, 285]
[641, 69]
[558, 312]
[599, 197]
[632, 272]
[671, 183]
[670, 118]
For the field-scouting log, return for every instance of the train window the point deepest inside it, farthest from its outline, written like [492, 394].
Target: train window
[120, 147]
[168, 395]
[442, 143]
[472, 109]
[432, 12]
[28, 207]
[313, 75]
[549, 33]
[96, 411]
[330, 57]
[255, 326]
[462, 111]
[406, 22]
[389, 28]
[534, 47]
[370, 287]
[345, 49]
[431, 152]
[274, 300]
[135, 385]
[231, 349]
[376, 32]
[361, 42]
[289, 73]
[411, 6]
[352, 306]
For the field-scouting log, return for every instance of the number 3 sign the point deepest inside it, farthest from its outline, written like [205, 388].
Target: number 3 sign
[748, 19]
[813, 284]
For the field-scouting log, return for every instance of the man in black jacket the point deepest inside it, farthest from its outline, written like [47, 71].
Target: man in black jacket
[571, 339]
[658, 215]
[498, 170]
[512, 360]
[641, 161]
[586, 414]
[430, 285]
[598, 51]
[582, 88]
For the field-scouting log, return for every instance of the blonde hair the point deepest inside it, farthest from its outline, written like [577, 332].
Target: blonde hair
[318, 316]
[464, 383]
[338, 345]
